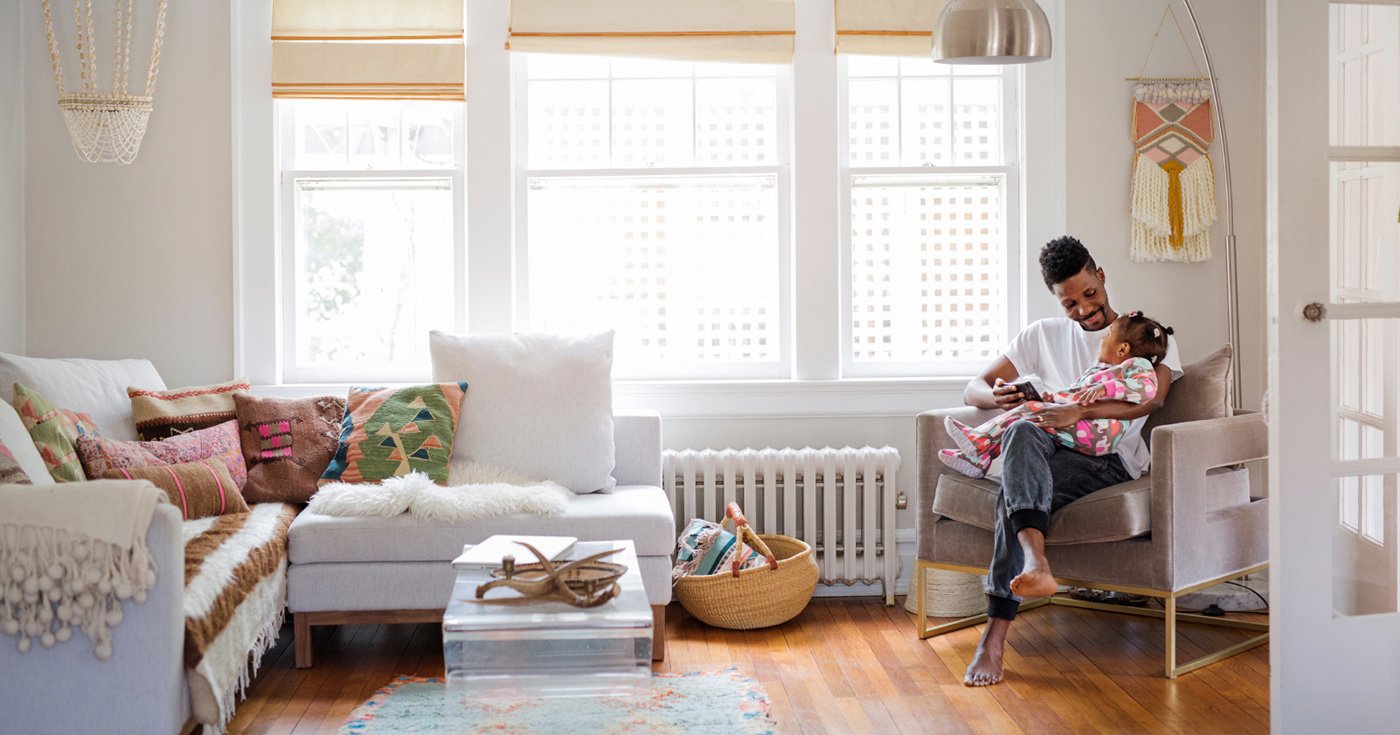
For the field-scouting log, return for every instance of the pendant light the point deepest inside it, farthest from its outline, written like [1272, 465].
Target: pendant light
[991, 32]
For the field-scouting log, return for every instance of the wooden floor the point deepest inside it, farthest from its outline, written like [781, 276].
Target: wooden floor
[852, 665]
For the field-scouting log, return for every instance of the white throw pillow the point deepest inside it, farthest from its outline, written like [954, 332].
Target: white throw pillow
[94, 387]
[539, 404]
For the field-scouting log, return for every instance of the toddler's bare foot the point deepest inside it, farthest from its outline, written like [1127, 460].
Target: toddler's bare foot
[1035, 581]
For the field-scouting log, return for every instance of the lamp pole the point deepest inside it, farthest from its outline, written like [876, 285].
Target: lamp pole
[1231, 274]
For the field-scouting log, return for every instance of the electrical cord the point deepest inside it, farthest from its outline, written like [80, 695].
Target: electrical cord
[1256, 594]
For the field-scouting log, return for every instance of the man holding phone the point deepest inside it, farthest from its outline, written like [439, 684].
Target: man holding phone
[1040, 475]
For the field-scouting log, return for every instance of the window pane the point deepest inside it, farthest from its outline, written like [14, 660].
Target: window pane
[873, 122]
[336, 135]
[650, 114]
[1365, 85]
[686, 269]
[735, 122]
[374, 272]
[569, 124]
[977, 121]
[927, 117]
[928, 267]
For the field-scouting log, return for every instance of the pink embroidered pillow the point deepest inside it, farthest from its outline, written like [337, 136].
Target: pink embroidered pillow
[198, 489]
[221, 442]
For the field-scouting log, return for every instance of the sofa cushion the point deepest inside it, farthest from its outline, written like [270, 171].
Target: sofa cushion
[639, 512]
[161, 414]
[10, 471]
[1118, 512]
[55, 431]
[1202, 392]
[390, 432]
[94, 387]
[287, 444]
[16, 437]
[199, 489]
[540, 404]
[216, 442]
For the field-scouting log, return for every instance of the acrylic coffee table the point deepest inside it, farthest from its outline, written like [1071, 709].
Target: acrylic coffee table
[549, 649]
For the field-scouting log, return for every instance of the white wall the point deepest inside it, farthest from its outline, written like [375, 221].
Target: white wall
[1107, 40]
[136, 260]
[11, 179]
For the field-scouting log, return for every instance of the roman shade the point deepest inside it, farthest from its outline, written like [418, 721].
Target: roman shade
[886, 27]
[368, 49]
[746, 31]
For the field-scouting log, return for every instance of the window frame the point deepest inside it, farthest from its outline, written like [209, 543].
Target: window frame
[287, 314]
[1012, 95]
[782, 170]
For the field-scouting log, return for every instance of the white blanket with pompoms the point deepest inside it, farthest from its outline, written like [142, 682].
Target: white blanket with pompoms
[70, 557]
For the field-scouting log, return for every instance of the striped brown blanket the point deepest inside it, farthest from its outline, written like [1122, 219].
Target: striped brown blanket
[235, 593]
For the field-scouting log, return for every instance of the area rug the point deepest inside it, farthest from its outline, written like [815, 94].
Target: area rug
[714, 702]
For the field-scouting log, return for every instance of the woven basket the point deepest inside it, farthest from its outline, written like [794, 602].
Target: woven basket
[948, 594]
[743, 599]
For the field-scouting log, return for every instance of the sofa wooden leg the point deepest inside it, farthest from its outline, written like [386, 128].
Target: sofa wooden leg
[301, 639]
[658, 632]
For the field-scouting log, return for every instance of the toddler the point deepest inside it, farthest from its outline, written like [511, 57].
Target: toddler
[1132, 345]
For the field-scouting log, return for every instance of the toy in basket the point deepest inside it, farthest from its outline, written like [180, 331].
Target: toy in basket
[754, 591]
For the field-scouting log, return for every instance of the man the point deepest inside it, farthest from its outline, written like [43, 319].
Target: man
[1040, 475]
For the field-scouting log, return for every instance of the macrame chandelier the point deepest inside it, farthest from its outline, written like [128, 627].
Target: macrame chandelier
[105, 127]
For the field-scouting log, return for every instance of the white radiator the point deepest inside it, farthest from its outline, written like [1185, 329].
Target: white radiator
[840, 501]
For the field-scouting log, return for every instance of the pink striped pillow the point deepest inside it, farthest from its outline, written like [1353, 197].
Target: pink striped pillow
[198, 489]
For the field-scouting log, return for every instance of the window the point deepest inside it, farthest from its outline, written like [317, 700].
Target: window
[652, 198]
[372, 232]
[930, 172]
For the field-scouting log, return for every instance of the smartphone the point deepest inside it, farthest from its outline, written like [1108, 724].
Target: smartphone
[1027, 391]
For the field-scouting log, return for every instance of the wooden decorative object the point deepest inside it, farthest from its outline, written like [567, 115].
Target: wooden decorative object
[585, 582]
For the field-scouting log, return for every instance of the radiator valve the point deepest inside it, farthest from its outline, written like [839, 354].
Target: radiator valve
[901, 501]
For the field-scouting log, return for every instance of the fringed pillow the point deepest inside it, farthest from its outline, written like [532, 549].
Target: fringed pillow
[161, 414]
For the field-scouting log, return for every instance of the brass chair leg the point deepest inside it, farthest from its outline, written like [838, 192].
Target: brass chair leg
[1171, 635]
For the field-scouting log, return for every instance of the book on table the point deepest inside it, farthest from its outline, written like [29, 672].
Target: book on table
[489, 553]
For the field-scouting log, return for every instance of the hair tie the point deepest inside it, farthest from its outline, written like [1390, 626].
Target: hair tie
[1134, 314]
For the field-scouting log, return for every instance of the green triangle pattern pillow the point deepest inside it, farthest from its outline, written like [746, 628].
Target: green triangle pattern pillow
[390, 432]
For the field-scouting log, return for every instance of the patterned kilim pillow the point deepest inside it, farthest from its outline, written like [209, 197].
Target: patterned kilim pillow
[160, 414]
[388, 432]
[10, 471]
[216, 442]
[199, 489]
[55, 432]
[287, 444]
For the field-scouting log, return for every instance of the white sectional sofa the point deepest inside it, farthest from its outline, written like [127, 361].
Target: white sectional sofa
[341, 570]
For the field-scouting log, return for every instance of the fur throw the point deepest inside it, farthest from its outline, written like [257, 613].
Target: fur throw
[475, 491]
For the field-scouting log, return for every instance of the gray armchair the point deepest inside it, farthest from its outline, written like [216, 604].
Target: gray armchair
[1188, 524]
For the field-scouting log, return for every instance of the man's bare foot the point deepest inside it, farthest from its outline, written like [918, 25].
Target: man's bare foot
[1035, 581]
[986, 667]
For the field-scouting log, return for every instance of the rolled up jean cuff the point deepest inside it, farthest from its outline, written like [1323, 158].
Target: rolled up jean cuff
[1002, 607]
[1030, 518]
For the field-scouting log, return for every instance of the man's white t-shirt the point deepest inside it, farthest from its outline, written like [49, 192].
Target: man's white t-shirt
[1059, 351]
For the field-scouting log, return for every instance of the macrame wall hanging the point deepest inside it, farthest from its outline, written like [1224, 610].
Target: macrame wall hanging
[1173, 181]
[105, 127]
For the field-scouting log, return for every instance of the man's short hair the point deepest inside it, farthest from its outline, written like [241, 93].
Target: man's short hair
[1063, 258]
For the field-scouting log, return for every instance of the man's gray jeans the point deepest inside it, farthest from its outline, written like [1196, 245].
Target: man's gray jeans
[1038, 477]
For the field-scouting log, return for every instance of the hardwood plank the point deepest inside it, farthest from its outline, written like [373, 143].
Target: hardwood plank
[847, 665]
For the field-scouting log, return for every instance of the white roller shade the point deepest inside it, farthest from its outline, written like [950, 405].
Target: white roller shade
[886, 27]
[368, 49]
[748, 31]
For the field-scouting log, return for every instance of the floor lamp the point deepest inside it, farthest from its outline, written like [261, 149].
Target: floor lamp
[1017, 32]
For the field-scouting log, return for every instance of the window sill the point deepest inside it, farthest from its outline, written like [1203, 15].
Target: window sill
[732, 399]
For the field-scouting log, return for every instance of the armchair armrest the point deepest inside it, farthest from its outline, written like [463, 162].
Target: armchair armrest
[1196, 542]
[930, 438]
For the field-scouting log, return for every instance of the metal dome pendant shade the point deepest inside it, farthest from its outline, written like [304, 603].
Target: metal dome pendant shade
[105, 127]
[991, 32]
